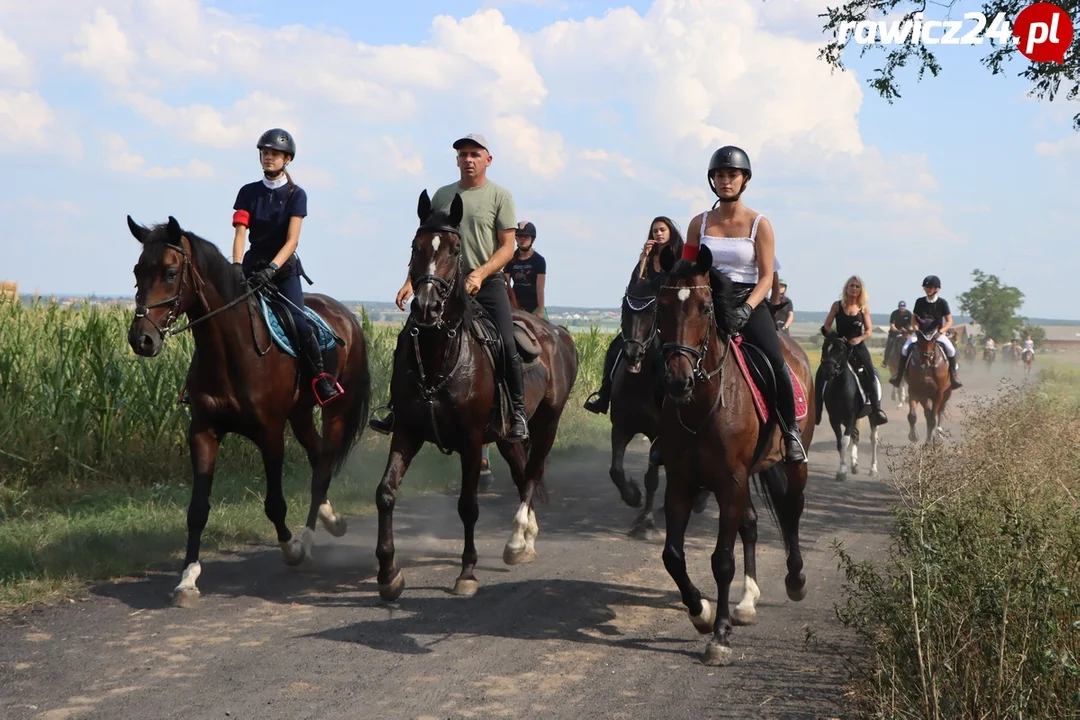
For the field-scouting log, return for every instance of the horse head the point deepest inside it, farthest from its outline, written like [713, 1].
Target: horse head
[167, 282]
[834, 353]
[926, 340]
[435, 267]
[639, 325]
[687, 305]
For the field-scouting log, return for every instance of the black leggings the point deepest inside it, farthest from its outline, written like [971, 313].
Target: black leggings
[494, 298]
[861, 355]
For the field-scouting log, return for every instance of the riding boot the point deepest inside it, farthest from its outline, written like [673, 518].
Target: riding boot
[952, 373]
[896, 379]
[870, 387]
[325, 387]
[785, 401]
[598, 402]
[515, 383]
[386, 425]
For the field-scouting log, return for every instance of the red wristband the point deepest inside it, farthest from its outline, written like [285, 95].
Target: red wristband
[689, 252]
[241, 217]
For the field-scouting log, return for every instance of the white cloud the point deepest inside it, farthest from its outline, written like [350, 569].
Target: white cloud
[122, 160]
[238, 127]
[1067, 145]
[15, 68]
[517, 140]
[625, 165]
[25, 118]
[106, 50]
[411, 163]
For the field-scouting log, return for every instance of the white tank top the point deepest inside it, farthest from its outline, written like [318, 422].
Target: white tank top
[735, 257]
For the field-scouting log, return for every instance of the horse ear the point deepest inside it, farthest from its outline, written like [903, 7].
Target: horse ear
[138, 231]
[423, 207]
[667, 259]
[457, 211]
[704, 259]
[174, 230]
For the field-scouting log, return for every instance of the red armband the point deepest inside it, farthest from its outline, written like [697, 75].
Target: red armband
[689, 252]
[241, 217]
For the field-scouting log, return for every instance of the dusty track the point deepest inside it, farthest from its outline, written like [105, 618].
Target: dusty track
[593, 629]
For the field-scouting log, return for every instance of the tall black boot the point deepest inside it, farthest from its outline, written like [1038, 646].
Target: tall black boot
[896, 379]
[323, 384]
[515, 383]
[785, 401]
[952, 373]
[386, 425]
[599, 401]
[869, 384]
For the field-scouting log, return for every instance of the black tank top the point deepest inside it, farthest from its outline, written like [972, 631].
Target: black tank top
[849, 326]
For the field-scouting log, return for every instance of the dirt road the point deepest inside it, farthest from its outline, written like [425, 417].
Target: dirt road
[593, 629]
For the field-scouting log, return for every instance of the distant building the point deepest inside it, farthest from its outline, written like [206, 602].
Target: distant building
[1062, 337]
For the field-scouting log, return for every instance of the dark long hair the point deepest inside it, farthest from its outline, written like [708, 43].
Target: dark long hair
[675, 243]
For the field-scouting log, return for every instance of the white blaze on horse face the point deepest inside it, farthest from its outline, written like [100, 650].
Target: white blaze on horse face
[435, 242]
[684, 294]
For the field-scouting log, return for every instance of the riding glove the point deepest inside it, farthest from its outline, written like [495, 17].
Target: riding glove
[264, 276]
[741, 315]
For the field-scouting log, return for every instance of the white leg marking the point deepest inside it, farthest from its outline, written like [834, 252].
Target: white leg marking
[187, 580]
[516, 544]
[873, 450]
[531, 531]
[747, 607]
[854, 455]
[704, 621]
[844, 442]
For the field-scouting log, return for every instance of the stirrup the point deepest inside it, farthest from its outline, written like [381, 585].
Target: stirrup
[333, 383]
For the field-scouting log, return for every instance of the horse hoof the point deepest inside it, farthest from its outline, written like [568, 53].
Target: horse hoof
[854, 469]
[486, 479]
[294, 552]
[518, 557]
[186, 598]
[873, 472]
[796, 586]
[391, 591]
[701, 501]
[466, 587]
[913, 437]
[743, 616]
[631, 495]
[841, 476]
[717, 655]
[704, 622]
[333, 522]
[644, 531]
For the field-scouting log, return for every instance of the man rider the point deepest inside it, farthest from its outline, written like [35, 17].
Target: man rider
[487, 245]
[935, 307]
[899, 324]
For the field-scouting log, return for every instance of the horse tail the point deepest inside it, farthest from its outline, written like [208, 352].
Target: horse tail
[357, 415]
[772, 488]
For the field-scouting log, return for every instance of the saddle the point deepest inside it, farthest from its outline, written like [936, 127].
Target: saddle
[761, 378]
[283, 331]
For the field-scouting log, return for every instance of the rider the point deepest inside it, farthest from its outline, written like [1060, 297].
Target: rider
[527, 271]
[783, 310]
[663, 232]
[990, 345]
[935, 307]
[269, 213]
[742, 246]
[487, 245]
[852, 315]
[1029, 346]
[899, 325]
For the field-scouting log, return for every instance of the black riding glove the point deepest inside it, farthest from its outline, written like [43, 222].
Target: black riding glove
[263, 277]
[741, 315]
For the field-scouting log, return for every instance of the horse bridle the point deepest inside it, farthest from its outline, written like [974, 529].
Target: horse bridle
[642, 304]
[443, 287]
[845, 352]
[695, 356]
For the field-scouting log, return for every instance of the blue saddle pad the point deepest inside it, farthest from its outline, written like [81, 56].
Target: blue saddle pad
[326, 336]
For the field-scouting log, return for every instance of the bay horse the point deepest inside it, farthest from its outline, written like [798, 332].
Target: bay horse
[636, 399]
[892, 361]
[1028, 357]
[837, 388]
[927, 376]
[445, 391]
[240, 382]
[713, 437]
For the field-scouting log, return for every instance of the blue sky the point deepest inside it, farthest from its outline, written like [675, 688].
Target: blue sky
[601, 117]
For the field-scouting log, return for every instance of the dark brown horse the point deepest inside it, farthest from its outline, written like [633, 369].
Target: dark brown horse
[927, 377]
[241, 382]
[892, 361]
[713, 438]
[445, 391]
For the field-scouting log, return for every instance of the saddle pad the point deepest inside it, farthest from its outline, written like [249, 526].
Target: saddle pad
[322, 330]
[801, 407]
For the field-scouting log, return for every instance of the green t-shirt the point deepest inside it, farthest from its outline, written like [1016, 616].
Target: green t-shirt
[488, 209]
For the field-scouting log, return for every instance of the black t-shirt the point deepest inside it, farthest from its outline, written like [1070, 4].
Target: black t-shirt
[901, 318]
[523, 274]
[780, 311]
[937, 309]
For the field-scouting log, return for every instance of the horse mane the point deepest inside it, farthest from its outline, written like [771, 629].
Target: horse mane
[207, 258]
[468, 303]
[721, 286]
[645, 287]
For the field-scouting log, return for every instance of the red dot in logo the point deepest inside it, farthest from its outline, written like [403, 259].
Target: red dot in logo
[1044, 31]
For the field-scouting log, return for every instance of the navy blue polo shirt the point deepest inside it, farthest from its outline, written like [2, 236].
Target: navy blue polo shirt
[269, 210]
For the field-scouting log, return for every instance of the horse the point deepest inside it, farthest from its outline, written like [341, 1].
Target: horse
[446, 391]
[927, 376]
[892, 361]
[714, 437]
[240, 382]
[837, 388]
[1028, 357]
[988, 357]
[636, 398]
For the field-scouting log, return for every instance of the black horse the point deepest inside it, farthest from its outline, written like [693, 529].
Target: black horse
[838, 389]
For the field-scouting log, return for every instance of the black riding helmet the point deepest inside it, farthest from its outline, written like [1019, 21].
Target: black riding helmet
[731, 157]
[931, 281]
[278, 139]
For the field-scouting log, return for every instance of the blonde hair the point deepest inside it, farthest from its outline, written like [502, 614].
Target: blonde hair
[864, 297]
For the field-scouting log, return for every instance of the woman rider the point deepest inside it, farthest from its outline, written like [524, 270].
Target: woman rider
[742, 245]
[852, 315]
[271, 211]
[662, 233]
